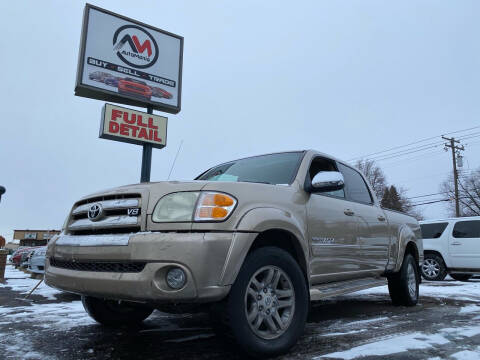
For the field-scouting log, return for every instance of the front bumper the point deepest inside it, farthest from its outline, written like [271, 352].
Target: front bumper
[205, 258]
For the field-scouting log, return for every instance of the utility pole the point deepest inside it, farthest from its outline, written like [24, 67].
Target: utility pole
[455, 149]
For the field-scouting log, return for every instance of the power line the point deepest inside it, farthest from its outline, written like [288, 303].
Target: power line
[469, 136]
[420, 196]
[437, 201]
[413, 143]
[407, 152]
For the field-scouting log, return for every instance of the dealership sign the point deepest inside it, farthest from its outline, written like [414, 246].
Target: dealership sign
[135, 127]
[125, 61]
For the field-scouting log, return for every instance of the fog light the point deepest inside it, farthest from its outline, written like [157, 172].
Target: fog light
[176, 278]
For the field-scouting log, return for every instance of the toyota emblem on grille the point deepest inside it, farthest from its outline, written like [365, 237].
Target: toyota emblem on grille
[95, 212]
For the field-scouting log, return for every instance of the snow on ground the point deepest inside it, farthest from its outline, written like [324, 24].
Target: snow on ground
[17, 280]
[61, 316]
[65, 315]
[398, 343]
[390, 345]
[467, 354]
[447, 289]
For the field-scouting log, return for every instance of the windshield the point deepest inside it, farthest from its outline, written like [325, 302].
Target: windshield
[274, 169]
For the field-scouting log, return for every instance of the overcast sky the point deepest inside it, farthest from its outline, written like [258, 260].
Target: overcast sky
[347, 78]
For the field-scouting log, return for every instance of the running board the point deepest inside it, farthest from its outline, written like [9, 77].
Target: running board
[344, 287]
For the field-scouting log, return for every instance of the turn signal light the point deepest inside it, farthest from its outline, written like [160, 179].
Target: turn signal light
[212, 212]
[214, 207]
[211, 199]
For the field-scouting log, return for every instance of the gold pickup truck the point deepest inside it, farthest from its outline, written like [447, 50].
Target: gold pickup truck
[252, 241]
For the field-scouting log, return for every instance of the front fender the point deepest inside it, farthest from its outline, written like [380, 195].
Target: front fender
[252, 223]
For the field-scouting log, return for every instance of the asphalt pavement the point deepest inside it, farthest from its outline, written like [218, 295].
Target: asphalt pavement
[53, 325]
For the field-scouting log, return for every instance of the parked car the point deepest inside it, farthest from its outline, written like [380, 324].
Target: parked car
[159, 92]
[99, 76]
[25, 257]
[251, 240]
[135, 88]
[36, 263]
[451, 246]
[17, 255]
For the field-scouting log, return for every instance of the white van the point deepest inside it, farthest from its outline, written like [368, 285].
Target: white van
[451, 246]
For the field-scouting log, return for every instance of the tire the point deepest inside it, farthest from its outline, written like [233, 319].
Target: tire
[267, 307]
[433, 268]
[461, 277]
[115, 313]
[404, 285]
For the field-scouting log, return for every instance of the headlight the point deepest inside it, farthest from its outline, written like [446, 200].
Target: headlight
[193, 206]
[176, 207]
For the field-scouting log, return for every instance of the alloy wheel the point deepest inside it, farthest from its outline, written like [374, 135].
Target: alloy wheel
[269, 302]
[412, 281]
[431, 268]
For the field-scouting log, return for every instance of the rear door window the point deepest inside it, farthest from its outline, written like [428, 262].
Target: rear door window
[467, 229]
[433, 231]
[355, 186]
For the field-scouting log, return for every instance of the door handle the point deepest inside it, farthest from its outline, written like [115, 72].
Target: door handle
[456, 243]
[381, 218]
[348, 212]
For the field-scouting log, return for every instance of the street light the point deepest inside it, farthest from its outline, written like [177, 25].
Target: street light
[2, 191]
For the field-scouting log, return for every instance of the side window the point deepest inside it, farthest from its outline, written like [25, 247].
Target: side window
[467, 229]
[322, 164]
[433, 231]
[355, 186]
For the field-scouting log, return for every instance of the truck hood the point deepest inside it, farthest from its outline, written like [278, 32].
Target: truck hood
[159, 186]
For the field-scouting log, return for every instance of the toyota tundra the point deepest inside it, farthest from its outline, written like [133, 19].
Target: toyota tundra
[253, 241]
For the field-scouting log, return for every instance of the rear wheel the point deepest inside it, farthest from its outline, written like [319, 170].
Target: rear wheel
[433, 268]
[404, 285]
[267, 307]
[461, 277]
[112, 312]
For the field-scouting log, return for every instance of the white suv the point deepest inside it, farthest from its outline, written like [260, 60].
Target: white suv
[451, 246]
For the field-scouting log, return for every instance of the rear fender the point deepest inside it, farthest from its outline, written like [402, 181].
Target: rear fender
[406, 236]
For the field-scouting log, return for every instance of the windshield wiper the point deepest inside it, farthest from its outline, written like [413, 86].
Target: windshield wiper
[259, 182]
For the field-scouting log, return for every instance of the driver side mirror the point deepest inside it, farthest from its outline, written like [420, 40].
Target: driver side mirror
[327, 181]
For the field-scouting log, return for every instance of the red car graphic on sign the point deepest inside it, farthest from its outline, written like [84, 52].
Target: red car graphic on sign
[136, 88]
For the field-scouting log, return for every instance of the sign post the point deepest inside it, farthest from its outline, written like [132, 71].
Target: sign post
[146, 157]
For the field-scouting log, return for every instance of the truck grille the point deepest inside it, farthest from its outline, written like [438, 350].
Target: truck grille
[116, 267]
[117, 214]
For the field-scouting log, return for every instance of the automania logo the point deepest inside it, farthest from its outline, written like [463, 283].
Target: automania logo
[135, 46]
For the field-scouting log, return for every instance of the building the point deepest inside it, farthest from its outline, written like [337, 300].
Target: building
[33, 237]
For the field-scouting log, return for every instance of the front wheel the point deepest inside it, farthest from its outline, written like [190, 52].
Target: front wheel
[461, 277]
[268, 304]
[115, 313]
[404, 285]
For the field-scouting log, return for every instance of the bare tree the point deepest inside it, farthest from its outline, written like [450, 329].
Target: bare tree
[374, 174]
[468, 193]
[396, 199]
